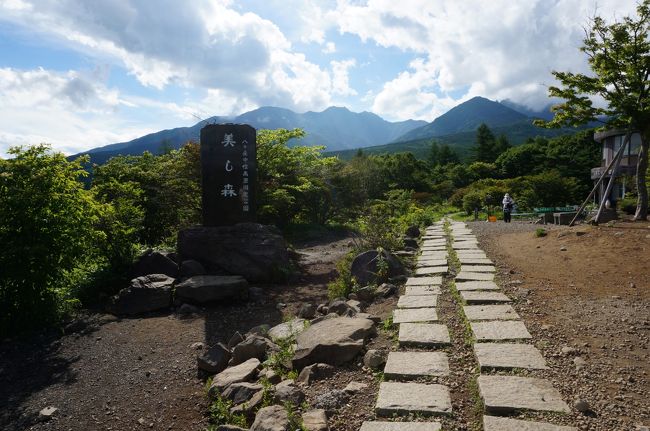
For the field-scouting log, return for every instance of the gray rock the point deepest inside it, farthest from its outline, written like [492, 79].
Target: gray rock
[249, 407]
[190, 268]
[253, 346]
[261, 330]
[203, 289]
[581, 405]
[410, 365]
[408, 398]
[197, 346]
[287, 391]
[493, 423]
[508, 356]
[214, 360]
[272, 377]
[307, 311]
[366, 294]
[272, 418]
[503, 394]
[241, 392]
[147, 293]
[235, 339]
[239, 373]
[354, 387]
[499, 330]
[47, 413]
[356, 305]
[365, 267]
[287, 329]
[342, 308]
[155, 262]
[332, 341]
[187, 309]
[315, 420]
[423, 335]
[386, 290]
[256, 252]
[410, 242]
[314, 372]
[413, 231]
[567, 351]
[579, 362]
[331, 401]
[374, 358]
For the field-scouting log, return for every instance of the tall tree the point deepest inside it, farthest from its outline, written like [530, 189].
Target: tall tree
[485, 144]
[619, 58]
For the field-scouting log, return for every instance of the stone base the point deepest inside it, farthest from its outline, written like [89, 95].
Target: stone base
[256, 252]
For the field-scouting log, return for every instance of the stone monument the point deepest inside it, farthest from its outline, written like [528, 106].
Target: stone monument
[230, 242]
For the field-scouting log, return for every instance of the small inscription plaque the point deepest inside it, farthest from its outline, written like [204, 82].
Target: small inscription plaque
[229, 173]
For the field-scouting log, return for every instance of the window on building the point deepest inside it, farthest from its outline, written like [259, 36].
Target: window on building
[635, 144]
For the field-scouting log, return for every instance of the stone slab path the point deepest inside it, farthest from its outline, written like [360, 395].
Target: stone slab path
[493, 322]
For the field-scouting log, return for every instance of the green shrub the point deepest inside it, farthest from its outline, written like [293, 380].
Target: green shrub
[540, 232]
[344, 282]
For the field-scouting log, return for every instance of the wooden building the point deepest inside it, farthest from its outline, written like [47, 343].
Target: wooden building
[611, 141]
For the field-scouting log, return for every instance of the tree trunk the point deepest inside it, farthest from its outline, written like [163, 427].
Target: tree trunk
[641, 169]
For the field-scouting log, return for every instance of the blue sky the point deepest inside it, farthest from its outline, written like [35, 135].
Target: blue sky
[84, 73]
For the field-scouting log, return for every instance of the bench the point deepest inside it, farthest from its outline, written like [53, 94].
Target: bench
[563, 218]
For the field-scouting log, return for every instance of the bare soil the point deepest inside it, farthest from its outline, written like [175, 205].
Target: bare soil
[584, 292]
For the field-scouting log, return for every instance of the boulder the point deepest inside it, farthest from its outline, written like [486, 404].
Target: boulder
[147, 293]
[154, 262]
[386, 290]
[366, 294]
[272, 418]
[214, 360]
[203, 289]
[261, 330]
[365, 267]
[241, 392]
[190, 268]
[307, 311]
[187, 309]
[253, 346]
[332, 341]
[272, 376]
[287, 329]
[315, 420]
[342, 308]
[287, 391]
[356, 305]
[374, 358]
[314, 372]
[410, 243]
[235, 339]
[239, 373]
[413, 231]
[250, 406]
[256, 252]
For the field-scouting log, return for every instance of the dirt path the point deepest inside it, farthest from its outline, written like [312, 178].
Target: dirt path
[123, 374]
[585, 294]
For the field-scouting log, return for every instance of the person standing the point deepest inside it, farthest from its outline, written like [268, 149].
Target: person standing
[508, 204]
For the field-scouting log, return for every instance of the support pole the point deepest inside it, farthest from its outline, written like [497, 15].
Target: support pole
[610, 185]
[600, 180]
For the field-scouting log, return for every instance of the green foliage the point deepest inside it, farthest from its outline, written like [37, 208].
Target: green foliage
[280, 360]
[442, 154]
[344, 283]
[540, 232]
[47, 232]
[164, 190]
[619, 59]
[292, 180]
[219, 414]
[295, 418]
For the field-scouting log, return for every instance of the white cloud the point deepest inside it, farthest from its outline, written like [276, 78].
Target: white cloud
[329, 48]
[498, 49]
[340, 79]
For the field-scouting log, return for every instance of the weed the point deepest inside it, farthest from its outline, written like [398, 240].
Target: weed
[387, 324]
[295, 420]
[280, 360]
[540, 232]
[219, 414]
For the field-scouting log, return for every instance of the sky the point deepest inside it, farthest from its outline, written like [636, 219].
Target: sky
[79, 74]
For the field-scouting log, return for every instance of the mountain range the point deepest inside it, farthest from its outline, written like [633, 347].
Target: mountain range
[343, 132]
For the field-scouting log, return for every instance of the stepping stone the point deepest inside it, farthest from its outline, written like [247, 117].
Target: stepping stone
[400, 426]
[474, 261]
[503, 355]
[430, 270]
[490, 312]
[478, 297]
[493, 423]
[476, 285]
[433, 255]
[422, 291]
[434, 248]
[440, 241]
[407, 398]
[499, 330]
[423, 335]
[416, 364]
[431, 262]
[503, 394]
[412, 315]
[477, 254]
[424, 281]
[476, 276]
[413, 301]
[465, 246]
[477, 268]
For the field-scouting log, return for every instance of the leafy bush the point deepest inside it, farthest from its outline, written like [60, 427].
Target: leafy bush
[47, 232]
[540, 232]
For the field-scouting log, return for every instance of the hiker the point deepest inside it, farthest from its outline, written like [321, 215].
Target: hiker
[508, 204]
